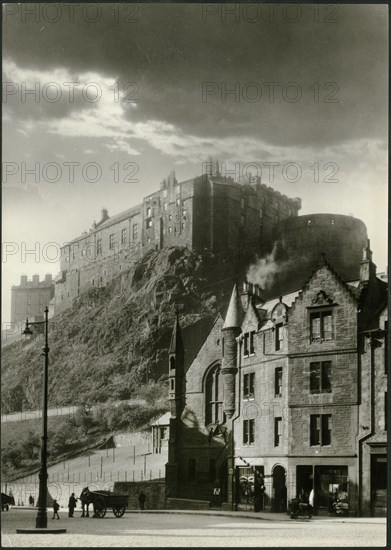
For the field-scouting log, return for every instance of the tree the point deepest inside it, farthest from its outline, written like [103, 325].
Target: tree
[30, 445]
[84, 418]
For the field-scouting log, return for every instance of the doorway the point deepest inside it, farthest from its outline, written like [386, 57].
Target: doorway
[279, 489]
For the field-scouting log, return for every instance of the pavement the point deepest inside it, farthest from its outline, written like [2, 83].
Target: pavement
[263, 516]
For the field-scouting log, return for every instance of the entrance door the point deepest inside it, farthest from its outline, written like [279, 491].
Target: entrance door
[279, 489]
[379, 485]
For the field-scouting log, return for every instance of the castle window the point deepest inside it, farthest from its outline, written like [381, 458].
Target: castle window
[148, 224]
[123, 235]
[135, 231]
[111, 241]
[321, 326]
[192, 469]
[248, 385]
[170, 229]
[277, 431]
[320, 377]
[184, 214]
[148, 212]
[249, 431]
[178, 202]
[278, 382]
[213, 397]
[169, 217]
[320, 429]
[279, 329]
[165, 206]
[98, 246]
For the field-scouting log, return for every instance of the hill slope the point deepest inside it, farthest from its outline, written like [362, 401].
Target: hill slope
[103, 346]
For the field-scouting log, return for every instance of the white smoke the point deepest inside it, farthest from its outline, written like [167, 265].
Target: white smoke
[264, 270]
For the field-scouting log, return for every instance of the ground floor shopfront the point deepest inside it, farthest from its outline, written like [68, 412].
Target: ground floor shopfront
[270, 483]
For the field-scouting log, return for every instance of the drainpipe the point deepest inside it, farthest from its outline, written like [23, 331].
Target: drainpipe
[361, 440]
[239, 340]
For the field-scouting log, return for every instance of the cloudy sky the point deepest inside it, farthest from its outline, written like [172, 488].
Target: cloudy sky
[123, 94]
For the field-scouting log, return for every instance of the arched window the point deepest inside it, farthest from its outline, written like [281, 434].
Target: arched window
[213, 396]
[172, 363]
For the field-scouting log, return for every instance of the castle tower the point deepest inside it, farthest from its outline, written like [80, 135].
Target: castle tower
[230, 331]
[176, 380]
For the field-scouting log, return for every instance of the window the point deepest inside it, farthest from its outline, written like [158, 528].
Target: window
[111, 241]
[165, 206]
[321, 326]
[277, 431]
[123, 235]
[170, 229]
[149, 212]
[192, 469]
[279, 336]
[320, 429]
[278, 381]
[169, 217]
[148, 224]
[184, 214]
[248, 385]
[248, 344]
[99, 246]
[320, 377]
[135, 231]
[178, 202]
[248, 431]
[213, 397]
[172, 363]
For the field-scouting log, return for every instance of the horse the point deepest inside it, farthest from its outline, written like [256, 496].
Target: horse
[6, 501]
[85, 499]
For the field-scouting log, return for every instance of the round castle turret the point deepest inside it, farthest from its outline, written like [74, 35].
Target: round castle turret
[230, 331]
[300, 241]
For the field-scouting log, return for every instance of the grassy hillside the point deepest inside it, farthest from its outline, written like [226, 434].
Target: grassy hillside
[103, 346]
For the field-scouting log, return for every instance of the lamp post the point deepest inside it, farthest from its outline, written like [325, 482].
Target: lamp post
[42, 518]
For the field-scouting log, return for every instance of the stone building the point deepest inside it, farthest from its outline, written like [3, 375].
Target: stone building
[209, 212]
[30, 298]
[284, 396]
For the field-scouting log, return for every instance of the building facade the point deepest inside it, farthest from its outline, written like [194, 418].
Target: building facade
[30, 298]
[209, 212]
[287, 396]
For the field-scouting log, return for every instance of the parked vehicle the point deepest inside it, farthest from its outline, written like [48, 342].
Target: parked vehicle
[6, 501]
[101, 500]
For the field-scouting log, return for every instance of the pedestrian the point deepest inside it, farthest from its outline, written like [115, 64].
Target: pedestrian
[311, 501]
[31, 500]
[72, 505]
[141, 499]
[56, 508]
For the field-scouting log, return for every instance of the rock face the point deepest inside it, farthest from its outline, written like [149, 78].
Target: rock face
[115, 337]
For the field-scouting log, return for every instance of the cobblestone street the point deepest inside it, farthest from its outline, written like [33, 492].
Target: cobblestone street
[194, 530]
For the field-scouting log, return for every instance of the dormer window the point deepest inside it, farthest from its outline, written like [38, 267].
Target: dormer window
[321, 328]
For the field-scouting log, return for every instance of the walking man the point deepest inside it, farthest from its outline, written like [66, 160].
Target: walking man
[56, 508]
[72, 505]
[141, 499]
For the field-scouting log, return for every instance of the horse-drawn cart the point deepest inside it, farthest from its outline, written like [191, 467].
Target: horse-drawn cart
[102, 500]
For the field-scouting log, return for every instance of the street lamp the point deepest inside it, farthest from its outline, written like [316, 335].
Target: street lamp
[42, 518]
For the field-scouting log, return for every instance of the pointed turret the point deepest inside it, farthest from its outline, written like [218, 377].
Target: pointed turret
[176, 355]
[230, 331]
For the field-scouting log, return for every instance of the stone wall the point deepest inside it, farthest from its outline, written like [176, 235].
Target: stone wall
[154, 492]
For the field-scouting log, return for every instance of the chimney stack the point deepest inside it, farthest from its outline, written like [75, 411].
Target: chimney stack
[36, 279]
[104, 214]
[367, 267]
[23, 280]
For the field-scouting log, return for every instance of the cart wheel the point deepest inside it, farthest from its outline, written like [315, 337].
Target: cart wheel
[118, 511]
[100, 508]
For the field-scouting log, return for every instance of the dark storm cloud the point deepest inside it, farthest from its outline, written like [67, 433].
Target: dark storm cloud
[171, 51]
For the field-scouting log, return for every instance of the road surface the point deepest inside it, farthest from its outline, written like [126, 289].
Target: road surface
[195, 530]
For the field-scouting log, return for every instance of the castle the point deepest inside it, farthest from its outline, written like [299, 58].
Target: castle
[285, 396]
[206, 213]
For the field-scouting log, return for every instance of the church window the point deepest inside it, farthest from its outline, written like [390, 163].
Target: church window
[213, 397]
[192, 469]
[279, 336]
[321, 326]
[248, 385]
[135, 231]
[249, 431]
[320, 377]
[123, 235]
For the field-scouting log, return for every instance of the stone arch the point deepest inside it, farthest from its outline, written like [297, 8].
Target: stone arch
[279, 491]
